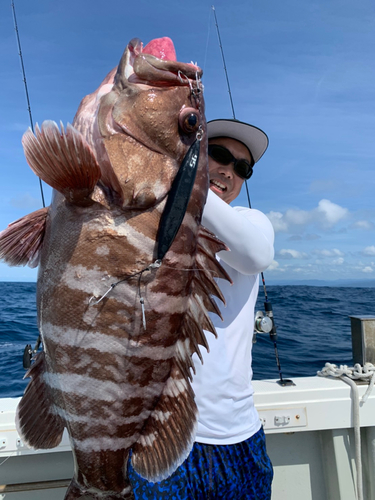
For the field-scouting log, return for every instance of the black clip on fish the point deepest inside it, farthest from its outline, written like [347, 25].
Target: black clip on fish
[178, 198]
[28, 353]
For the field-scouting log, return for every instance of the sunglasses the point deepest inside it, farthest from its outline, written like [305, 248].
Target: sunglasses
[222, 155]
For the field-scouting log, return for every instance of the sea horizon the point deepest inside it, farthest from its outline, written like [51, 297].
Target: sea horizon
[313, 327]
[350, 283]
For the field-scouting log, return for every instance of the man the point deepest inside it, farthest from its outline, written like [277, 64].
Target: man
[229, 459]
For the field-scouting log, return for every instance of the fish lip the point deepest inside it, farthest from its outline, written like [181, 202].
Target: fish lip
[144, 67]
[149, 70]
[138, 67]
[188, 69]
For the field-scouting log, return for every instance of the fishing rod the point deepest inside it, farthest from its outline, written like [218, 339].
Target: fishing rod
[264, 323]
[28, 352]
[26, 89]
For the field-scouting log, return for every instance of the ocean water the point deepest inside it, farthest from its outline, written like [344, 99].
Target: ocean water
[313, 327]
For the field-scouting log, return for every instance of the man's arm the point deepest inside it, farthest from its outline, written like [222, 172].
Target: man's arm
[247, 232]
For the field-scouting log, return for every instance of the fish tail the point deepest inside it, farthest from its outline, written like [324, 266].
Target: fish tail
[107, 473]
[75, 491]
[64, 160]
[21, 241]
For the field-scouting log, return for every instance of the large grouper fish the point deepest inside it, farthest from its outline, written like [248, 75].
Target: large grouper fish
[123, 290]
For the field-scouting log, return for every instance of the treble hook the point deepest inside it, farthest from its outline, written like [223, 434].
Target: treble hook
[180, 74]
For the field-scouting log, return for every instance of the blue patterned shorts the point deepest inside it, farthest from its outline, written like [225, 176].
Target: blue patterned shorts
[240, 471]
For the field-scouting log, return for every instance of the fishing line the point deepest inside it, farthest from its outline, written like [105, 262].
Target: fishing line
[225, 67]
[93, 301]
[26, 89]
[267, 303]
[208, 37]
[228, 85]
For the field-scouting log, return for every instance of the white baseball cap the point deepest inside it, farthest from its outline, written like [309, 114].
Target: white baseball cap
[253, 137]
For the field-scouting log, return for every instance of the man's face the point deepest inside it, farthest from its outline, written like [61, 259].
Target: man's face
[224, 182]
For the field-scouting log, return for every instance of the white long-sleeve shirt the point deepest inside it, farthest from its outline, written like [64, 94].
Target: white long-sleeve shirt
[222, 385]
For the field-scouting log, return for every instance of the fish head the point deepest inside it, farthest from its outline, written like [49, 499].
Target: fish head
[147, 114]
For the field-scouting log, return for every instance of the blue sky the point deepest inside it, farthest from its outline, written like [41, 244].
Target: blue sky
[304, 72]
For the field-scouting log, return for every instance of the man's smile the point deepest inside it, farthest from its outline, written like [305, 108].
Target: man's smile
[218, 186]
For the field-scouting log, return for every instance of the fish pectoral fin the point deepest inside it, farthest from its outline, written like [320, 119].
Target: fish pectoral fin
[62, 159]
[38, 426]
[169, 432]
[21, 241]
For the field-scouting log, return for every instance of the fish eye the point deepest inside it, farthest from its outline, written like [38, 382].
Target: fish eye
[189, 120]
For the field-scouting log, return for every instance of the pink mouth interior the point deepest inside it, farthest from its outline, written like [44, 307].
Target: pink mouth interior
[161, 48]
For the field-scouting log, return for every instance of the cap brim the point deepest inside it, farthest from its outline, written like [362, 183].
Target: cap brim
[253, 137]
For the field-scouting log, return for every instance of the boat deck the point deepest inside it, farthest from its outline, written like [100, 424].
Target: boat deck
[310, 440]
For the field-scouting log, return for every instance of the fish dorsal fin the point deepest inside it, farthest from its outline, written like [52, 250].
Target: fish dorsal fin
[169, 433]
[21, 241]
[38, 426]
[64, 160]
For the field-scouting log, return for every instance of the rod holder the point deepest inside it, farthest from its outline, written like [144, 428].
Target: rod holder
[363, 339]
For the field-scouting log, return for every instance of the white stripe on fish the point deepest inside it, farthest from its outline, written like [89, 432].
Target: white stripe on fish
[103, 443]
[112, 421]
[100, 390]
[110, 344]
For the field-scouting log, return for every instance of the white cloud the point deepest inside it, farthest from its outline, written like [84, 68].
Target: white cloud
[291, 254]
[367, 269]
[363, 224]
[335, 252]
[338, 262]
[274, 266]
[277, 221]
[331, 212]
[369, 250]
[325, 216]
[297, 217]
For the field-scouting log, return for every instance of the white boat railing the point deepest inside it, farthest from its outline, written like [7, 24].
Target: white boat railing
[310, 440]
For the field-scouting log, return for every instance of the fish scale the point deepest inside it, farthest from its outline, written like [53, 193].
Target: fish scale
[119, 332]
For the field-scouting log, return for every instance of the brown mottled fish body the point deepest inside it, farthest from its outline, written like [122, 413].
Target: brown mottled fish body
[116, 372]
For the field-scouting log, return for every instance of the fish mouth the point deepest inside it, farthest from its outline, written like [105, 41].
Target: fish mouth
[156, 64]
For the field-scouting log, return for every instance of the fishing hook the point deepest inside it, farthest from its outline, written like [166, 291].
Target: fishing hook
[93, 301]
